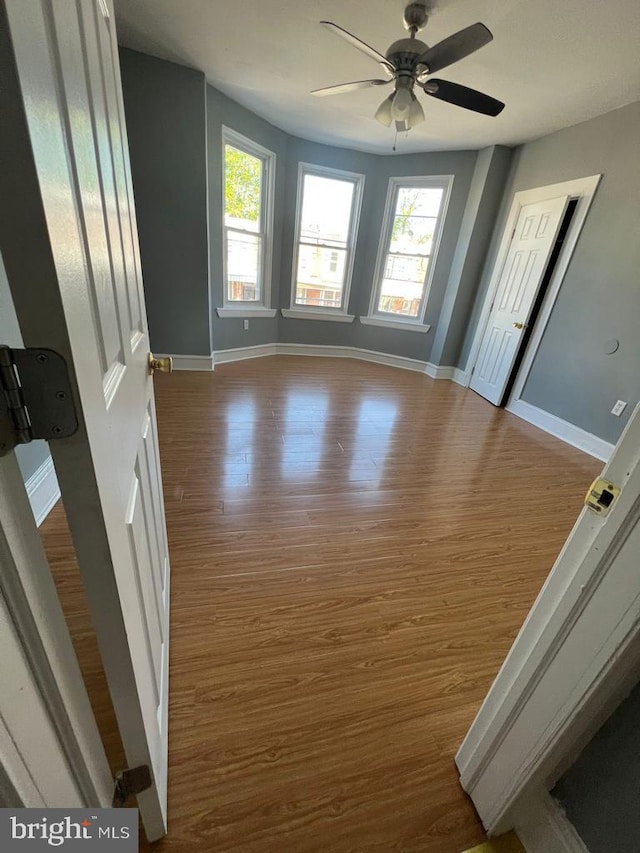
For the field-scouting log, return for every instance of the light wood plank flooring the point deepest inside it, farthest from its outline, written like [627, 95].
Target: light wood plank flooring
[353, 549]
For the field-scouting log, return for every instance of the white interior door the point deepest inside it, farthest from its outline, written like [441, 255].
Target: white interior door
[533, 240]
[70, 246]
[574, 660]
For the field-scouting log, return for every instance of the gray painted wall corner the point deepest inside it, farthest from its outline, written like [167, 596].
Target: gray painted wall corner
[599, 299]
[165, 113]
[601, 791]
[483, 202]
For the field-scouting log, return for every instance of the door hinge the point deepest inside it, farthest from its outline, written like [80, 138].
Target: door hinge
[601, 496]
[129, 782]
[36, 400]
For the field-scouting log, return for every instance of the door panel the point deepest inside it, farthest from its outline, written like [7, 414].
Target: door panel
[86, 301]
[522, 273]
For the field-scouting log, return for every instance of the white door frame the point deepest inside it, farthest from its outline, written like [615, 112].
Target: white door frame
[576, 657]
[50, 748]
[582, 189]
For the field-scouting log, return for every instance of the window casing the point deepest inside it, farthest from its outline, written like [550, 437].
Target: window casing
[411, 230]
[247, 221]
[327, 216]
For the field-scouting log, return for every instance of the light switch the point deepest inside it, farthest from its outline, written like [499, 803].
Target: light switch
[619, 408]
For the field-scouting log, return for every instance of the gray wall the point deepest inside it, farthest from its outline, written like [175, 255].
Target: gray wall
[289, 150]
[229, 332]
[600, 295]
[175, 171]
[165, 116]
[377, 170]
[166, 124]
[483, 203]
[601, 792]
[30, 456]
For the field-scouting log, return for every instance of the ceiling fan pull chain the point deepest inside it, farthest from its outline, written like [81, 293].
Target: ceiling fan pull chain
[395, 140]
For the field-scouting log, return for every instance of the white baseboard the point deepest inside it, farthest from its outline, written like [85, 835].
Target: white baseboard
[43, 490]
[563, 430]
[545, 828]
[324, 351]
[460, 377]
[192, 362]
[224, 356]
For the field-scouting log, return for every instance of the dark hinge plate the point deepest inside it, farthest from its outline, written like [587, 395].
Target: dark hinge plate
[35, 397]
[129, 782]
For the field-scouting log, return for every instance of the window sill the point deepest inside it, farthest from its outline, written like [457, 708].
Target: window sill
[310, 314]
[246, 312]
[405, 325]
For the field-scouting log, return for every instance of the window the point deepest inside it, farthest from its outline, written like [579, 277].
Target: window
[326, 228]
[249, 173]
[411, 230]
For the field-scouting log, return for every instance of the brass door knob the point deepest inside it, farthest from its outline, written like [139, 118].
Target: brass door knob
[164, 364]
[518, 325]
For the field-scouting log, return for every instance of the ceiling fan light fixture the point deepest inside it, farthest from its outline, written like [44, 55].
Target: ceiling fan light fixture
[416, 113]
[384, 112]
[401, 104]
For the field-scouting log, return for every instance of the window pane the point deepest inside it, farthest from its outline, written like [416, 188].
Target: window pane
[415, 219]
[242, 189]
[403, 285]
[419, 201]
[413, 235]
[326, 210]
[243, 265]
[320, 276]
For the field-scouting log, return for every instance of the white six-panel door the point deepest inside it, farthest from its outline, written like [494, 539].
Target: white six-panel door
[533, 240]
[71, 250]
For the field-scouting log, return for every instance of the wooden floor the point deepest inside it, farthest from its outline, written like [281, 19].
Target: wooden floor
[353, 549]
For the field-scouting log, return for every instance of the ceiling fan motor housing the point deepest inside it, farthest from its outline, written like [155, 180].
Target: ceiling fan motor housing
[403, 53]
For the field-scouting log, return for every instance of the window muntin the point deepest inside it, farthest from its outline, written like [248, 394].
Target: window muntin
[247, 186]
[328, 211]
[413, 222]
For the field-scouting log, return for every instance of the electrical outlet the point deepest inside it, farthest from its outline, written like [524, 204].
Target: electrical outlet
[619, 408]
[246, 325]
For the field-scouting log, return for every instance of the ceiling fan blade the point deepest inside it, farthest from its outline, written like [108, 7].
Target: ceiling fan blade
[462, 96]
[455, 47]
[348, 87]
[371, 52]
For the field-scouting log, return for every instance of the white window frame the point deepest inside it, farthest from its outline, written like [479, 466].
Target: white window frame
[261, 307]
[379, 318]
[318, 312]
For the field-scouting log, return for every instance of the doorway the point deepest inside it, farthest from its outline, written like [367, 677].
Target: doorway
[541, 232]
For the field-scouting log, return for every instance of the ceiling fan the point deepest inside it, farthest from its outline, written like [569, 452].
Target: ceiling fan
[409, 62]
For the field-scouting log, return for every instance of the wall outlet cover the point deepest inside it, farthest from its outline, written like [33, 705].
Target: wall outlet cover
[619, 408]
[246, 325]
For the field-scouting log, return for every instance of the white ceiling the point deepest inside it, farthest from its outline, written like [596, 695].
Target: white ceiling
[553, 62]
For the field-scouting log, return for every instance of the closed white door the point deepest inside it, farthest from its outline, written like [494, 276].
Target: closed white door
[70, 245]
[533, 240]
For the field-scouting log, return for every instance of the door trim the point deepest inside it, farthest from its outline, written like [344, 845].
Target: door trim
[584, 190]
[543, 827]
[50, 746]
[574, 660]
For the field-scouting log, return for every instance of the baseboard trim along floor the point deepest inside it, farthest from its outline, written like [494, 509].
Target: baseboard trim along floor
[43, 490]
[565, 431]
[509, 843]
